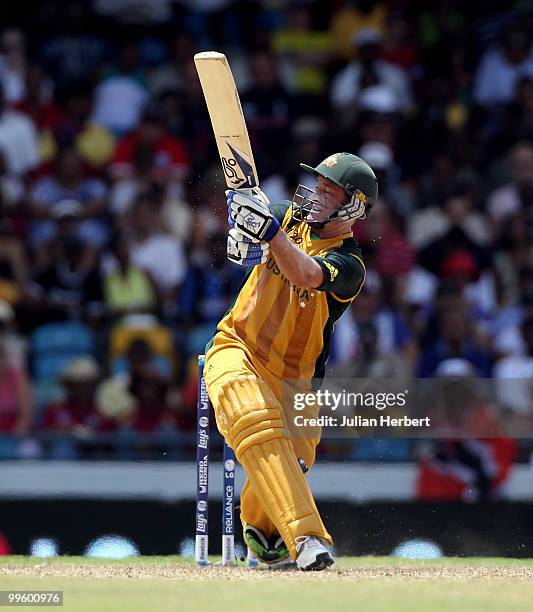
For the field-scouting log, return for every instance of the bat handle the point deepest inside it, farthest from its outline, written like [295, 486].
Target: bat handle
[257, 191]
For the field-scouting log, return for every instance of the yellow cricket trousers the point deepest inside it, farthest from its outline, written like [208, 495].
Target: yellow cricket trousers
[251, 415]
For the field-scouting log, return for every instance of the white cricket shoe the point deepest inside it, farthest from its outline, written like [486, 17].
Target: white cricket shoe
[312, 554]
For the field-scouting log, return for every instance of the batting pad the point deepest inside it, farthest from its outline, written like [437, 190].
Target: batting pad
[282, 490]
[251, 419]
[252, 512]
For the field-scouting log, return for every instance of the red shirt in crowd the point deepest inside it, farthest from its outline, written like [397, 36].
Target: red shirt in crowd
[63, 416]
[169, 157]
[9, 399]
[45, 115]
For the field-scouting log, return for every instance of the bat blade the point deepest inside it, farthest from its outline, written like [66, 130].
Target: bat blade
[227, 119]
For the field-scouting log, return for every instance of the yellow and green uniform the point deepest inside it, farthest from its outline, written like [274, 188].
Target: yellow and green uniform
[276, 332]
[288, 328]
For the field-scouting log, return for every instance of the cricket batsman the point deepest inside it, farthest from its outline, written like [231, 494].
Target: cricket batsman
[304, 269]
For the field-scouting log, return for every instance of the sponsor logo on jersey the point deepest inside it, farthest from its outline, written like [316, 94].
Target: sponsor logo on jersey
[332, 270]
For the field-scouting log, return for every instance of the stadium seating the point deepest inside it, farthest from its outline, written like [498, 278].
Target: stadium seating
[53, 345]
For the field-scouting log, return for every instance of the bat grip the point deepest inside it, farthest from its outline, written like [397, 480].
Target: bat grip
[256, 191]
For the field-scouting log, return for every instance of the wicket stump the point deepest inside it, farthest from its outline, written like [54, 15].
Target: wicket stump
[202, 483]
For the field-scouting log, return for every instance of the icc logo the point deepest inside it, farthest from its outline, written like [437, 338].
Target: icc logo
[229, 465]
[202, 506]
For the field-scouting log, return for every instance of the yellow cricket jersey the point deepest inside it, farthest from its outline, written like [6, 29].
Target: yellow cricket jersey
[284, 327]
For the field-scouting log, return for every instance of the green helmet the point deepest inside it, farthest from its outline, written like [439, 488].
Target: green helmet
[352, 174]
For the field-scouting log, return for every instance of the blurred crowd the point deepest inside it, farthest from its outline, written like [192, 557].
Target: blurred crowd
[112, 207]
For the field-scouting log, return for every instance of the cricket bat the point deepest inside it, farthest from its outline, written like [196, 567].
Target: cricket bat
[227, 119]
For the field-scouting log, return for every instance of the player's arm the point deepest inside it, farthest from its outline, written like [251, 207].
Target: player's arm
[296, 265]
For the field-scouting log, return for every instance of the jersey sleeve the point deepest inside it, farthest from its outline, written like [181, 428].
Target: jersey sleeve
[344, 271]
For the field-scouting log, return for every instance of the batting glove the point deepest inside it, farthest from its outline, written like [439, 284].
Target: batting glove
[251, 216]
[244, 251]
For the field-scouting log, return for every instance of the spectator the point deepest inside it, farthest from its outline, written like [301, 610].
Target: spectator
[13, 266]
[170, 75]
[304, 53]
[306, 139]
[351, 18]
[446, 295]
[69, 183]
[390, 253]
[94, 143]
[70, 49]
[209, 207]
[149, 154]
[393, 335]
[399, 46]
[122, 94]
[38, 105]
[210, 284]
[518, 194]
[15, 344]
[175, 213]
[153, 413]
[128, 289]
[458, 249]
[370, 362]
[455, 340]
[368, 71]
[508, 337]
[513, 376]
[16, 407]
[380, 157]
[457, 209]
[456, 238]
[138, 357]
[267, 106]
[12, 193]
[195, 125]
[161, 255]
[434, 187]
[69, 287]
[460, 267]
[18, 140]
[512, 257]
[501, 67]
[13, 65]
[514, 121]
[77, 413]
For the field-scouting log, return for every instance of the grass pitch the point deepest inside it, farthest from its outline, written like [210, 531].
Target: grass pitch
[379, 584]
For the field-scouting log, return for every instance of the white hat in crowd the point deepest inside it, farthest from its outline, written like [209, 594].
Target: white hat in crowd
[377, 155]
[81, 369]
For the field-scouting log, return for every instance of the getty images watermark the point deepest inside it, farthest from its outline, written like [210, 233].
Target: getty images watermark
[405, 407]
[333, 403]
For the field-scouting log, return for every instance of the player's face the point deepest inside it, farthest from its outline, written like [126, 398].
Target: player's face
[329, 198]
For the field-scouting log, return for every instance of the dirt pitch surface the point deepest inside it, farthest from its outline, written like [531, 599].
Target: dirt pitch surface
[188, 571]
